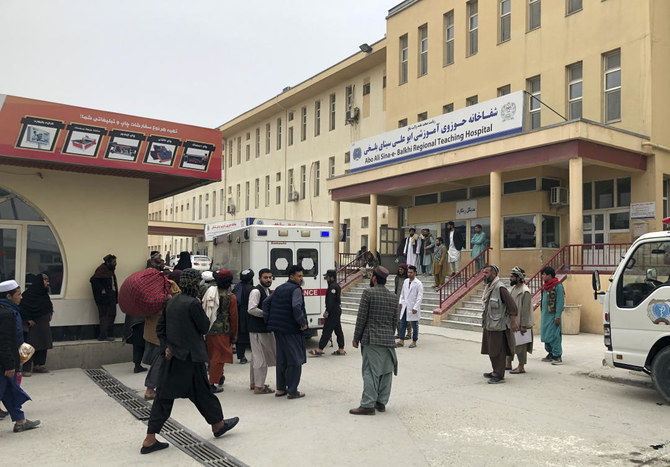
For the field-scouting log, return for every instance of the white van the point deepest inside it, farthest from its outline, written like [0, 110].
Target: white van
[636, 310]
[278, 248]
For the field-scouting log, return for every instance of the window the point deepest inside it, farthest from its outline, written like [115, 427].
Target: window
[447, 108]
[573, 6]
[239, 150]
[575, 91]
[303, 124]
[366, 89]
[604, 194]
[278, 195]
[347, 157]
[237, 199]
[623, 191]
[551, 231]
[268, 137]
[257, 193]
[290, 181]
[267, 190]
[619, 220]
[248, 152]
[213, 203]
[505, 25]
[666, 195]
[423, 50]
[519, 231]
[449, 38]
[403, 59]
[247, 195]
[278, 177]
[533, 85]
[317, 118]
[645, 272]
[331, 117]
[402, 123]
[504, 90]
[258, 142]
[278, 134]
[422, 116]
[290, 136]
[454, 195]
[534, 14]
[281, 259]
[349, 98]
[199, 207]
[472, 100]
[303, 181]
[548, 183]
[331, 166]
[248, 137]
[612, 86]
[221, 200]
[486, 228]
[473, 26]
[308, 258]
[364, 222]
[423, 200]
[230, 153]
[520, 186]
[317, 176]
[481, 191]
[587, 196]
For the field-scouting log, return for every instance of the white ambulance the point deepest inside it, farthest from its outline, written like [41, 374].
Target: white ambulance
[278, 248]
[636, 310]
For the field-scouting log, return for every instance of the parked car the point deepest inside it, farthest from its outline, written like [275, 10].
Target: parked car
[199, 262]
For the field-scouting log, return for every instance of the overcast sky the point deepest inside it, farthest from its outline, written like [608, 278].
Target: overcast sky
[200, 62]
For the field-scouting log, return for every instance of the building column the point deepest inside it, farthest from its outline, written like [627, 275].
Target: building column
[336, 230]
[576, 182]
[496, 217]
[372, 237]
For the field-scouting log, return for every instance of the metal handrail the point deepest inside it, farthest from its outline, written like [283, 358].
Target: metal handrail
[462, 278]
[350, 268]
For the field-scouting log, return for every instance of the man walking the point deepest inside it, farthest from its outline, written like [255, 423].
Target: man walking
[522, 297]
[456, 244]
[410, 306]
[263, 349]
[439, 263]
[285, 315]
[375, 324]
[553, 299]
[105, 293]
[499, 322]
[180, 330]
[332, 316]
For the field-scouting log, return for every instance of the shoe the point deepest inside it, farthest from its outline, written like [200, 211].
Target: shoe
[223, 380]
[548, 358]
[139, 369]
[488, 375]
[215, 389]
[362, 411]
[3, 414]
[557, 361]
[399, 344]
[149, 396]
[157, 446]
[244, 360]
[412, 345]
[228, 424]
[496, 380]
[296, 396]
[29, 425]
[40, 369]
[27, 374]
[380, 407]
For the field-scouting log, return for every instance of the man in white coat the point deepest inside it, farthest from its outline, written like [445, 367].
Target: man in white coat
[410, 306]
[412, 247]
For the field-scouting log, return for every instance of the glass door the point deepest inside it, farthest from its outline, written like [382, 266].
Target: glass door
[10, 253]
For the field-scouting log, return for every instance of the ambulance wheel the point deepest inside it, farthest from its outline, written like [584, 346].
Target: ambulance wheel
[660, 373]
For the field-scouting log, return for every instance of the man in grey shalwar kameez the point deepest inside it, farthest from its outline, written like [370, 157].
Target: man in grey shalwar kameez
[375, 326]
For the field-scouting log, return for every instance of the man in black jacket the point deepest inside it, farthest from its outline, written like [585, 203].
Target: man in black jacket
[180, 329]
[105, 293]
[332, 316]
[454, 244]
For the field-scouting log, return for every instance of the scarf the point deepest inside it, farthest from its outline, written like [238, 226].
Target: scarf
[189, 282]
[489, 289]
[548, 286]
[103, 272]
[36, 302]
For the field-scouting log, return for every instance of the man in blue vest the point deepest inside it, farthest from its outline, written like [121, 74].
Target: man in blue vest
[285, 315]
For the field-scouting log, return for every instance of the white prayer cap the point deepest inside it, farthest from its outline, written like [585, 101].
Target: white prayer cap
[8, 286]
[207, 276]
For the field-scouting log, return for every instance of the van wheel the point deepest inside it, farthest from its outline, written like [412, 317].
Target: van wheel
[660, 373]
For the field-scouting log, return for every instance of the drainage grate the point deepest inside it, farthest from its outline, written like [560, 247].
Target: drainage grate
[180, 436]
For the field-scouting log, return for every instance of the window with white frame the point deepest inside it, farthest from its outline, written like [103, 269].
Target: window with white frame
[230, 153]
[505, 21]
[267, 190]
[534, 14]
[575, 91]
[534, 96]
[572, 6]
[331, 166]
[449, 38]
[257, 193]
[303, 181]
[279, 134]
[247, 191]
[317, 176]
[317, 118]
[268, 138]
[258, 142]
[519, 231]
[331, 117]
[364, 222]
[239, 150]
[612, 86]
[303, 124]
[423, 50]
[473, 27]
[291, 185]
[404, 57]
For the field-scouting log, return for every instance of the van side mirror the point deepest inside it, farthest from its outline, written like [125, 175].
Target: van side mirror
[595, 282]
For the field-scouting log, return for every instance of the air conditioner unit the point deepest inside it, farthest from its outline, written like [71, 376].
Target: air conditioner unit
[293, 196]
[558, 196]
[230, 209]
[352, 115]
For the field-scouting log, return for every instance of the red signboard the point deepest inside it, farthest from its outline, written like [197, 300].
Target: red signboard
[44, 131]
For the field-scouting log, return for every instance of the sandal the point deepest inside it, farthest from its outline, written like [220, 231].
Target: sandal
[517, 371]
[412, 345]
[296, 396]
[337, 352]
[278, 394]
[315, 353]
[266, 390]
